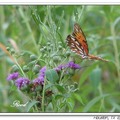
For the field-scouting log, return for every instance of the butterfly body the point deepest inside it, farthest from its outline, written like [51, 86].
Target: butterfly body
[78, 44]
[96, 58]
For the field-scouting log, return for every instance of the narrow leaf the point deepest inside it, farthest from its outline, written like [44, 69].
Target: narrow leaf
[95, 78]
[31, 104]
[93, 101]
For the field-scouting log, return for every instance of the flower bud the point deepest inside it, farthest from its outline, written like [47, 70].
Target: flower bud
[42, 50]
[8, 48]
[56, 59]
[60, 47]
[45, 48]
[32, 63]
[48, 43]
[15, 68]
[33, 57]
[36, 69]
[12, 51]
[25, 68]
[68, 53]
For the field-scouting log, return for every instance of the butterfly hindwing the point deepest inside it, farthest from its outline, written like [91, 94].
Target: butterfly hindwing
[78, 44]
[75, 46]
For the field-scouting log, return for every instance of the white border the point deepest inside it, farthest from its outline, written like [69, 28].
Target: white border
[59, 114]
[59, 2]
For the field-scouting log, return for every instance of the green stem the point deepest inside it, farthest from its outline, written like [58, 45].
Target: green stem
[19, 67]
[102, 100]
[83, 7]
[43, 97]
[117, 62]
[29, 28]
[2, 20]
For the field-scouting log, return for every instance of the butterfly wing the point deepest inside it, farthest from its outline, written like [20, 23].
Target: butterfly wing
[74, 45]
[77, 29]
[77, 42]
[80, 37]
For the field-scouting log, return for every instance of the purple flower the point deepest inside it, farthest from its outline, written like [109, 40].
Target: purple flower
[42, 71]
[20, 82]
[40, 79]
[13, 76]
[60, 67]
[72, 65]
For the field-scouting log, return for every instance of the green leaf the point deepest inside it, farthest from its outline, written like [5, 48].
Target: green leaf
[48, 86]
[57, 97]
[95, 78]
[52, 75]
[49, 107]
[114, 104]
[31, 104]
[70, 104]
[62, 105]
[86, 73]
[60, 88]
[78, 97]
[117, 21]
[93, 101]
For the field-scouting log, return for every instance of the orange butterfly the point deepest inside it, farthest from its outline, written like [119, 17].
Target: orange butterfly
[78, 44]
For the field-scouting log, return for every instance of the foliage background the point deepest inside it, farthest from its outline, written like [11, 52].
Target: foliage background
[31, 26]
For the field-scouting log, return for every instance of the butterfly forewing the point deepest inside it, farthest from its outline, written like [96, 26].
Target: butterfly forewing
[78, 44]
[77, 29]
[80, 37]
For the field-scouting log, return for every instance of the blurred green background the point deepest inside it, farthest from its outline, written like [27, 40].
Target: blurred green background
[22, 27]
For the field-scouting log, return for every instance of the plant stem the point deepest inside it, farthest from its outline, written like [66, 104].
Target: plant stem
[117, 62]
[2, 20]
[102, 100]
[83, 7]
[29, 28]
[19, 67]
[43, 97]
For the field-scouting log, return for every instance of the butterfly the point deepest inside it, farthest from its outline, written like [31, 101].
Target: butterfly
[78, 44]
